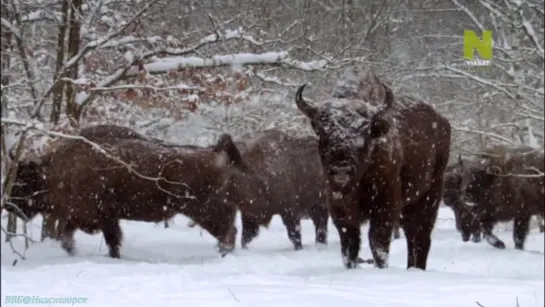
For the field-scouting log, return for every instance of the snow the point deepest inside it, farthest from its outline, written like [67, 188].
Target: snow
[237, 59]
[178, 266]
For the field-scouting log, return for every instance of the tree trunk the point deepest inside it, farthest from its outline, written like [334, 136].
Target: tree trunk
[61, 50]
[6, 46]
[72, 108]
[71, 24]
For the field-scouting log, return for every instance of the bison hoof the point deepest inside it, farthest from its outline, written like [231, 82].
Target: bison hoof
[115, 254]
[465, 238]
[298, 247]
[476, 239]
[350, 264]
[69, 248]
[499, 244]
[225, 249]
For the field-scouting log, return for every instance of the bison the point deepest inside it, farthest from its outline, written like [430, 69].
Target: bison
[99, 133]
[383, 156]
[129, 178]
[466, 221]
[506, 184]
[294, 184]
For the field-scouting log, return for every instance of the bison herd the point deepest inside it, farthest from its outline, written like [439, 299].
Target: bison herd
[375, 157]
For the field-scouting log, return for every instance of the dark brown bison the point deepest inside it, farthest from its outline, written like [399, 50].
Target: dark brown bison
[92, 191]
[112, 131]
[506, 184]
[466, 221]
[294, 184]
[382, 155]
[98, 133]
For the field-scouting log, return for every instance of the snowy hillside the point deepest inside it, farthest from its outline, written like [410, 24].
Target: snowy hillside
[179, 267]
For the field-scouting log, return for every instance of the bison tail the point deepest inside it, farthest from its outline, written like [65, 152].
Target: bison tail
[225, 144]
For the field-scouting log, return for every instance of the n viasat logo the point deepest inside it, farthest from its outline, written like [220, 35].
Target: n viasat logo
[483, 45]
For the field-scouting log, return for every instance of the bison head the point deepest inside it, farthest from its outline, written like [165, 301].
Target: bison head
[26, 198]
[347, 131]
[477, 179]
[455, 197]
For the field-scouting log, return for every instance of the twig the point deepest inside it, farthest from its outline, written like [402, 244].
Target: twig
[103, 151]
[13, 247]
[233, 295]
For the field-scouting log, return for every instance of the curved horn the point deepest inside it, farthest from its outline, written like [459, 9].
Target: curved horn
[11, 155]
[460, 163]
[388, 95]
[307, 108]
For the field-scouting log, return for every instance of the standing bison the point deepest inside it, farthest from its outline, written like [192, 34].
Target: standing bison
[294, 185]
[466, 220]
[104, 132]
[506, 184]
[382, 155]
[92, 189]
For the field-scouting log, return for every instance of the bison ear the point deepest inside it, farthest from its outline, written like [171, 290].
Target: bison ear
[379, 127]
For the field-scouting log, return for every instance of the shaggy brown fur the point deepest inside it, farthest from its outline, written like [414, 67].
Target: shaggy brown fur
[466, 221]
[92, 192]
[294, 184]
[105, 132]
[507, 183]
[383, 155]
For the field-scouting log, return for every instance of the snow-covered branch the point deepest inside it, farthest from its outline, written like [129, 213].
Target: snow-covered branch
[282, 58]
[38, 126]
[484, 133]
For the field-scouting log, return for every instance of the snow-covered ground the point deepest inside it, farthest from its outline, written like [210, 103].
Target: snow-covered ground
[179, 267]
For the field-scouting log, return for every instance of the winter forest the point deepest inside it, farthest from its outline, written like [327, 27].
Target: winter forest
[188, 71]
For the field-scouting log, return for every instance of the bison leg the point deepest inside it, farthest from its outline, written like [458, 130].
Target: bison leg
[418, 223]
[541, 223]
[113, 235]
[67, 238]
[476, 236]
[293, 225]
[488, 226]
[319, 216]
[250, 230]
[227, 243]
[350, 242]
[520, 230]
[397, 234]
[380, 236]
[382, 223]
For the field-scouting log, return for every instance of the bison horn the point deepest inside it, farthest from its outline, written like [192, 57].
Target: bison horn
[307, 108]
[388, 96]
